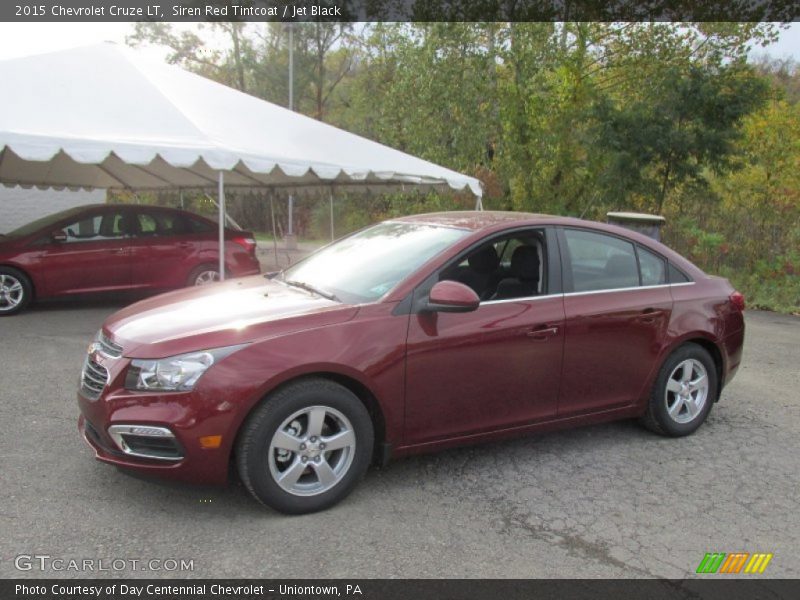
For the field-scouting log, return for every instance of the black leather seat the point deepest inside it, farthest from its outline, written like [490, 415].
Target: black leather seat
[524, 281]
[481, 274]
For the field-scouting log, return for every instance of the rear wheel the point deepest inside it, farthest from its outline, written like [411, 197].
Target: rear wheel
[306, 447]
[15, 291]
[683, 393]
[204, 274]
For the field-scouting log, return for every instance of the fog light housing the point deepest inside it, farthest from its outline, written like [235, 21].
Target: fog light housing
[146, 441]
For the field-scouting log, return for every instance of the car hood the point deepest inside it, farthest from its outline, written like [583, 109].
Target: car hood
[218, 315]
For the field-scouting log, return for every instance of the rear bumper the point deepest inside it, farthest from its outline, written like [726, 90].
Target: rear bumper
[733, 346]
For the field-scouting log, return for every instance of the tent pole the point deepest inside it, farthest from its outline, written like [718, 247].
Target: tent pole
[479, 203]
[221, 194]
[274, 231]
[333, 237]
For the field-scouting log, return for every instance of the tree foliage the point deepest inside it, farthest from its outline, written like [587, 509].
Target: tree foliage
[568, 118]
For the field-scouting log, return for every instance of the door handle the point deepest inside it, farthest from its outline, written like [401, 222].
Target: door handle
[542, 333]
[117, 251]
[650, 315]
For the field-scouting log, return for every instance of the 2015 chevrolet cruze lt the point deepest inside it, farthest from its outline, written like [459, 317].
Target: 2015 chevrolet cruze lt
[409, 336]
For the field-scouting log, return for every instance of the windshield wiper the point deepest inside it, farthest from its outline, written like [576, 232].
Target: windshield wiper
[314, 290]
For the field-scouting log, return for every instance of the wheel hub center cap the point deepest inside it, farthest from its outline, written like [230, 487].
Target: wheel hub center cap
[312, 450]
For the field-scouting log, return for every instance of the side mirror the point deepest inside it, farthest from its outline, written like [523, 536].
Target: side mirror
[451, 296]
[58, 236]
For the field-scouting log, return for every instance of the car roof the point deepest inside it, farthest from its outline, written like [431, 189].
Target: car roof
[475, 220]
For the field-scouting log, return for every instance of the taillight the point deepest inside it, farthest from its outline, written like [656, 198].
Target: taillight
[247, 243]
[737, 299]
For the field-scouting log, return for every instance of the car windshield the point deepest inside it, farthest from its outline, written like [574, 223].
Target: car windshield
[44, 222]
[366, 265]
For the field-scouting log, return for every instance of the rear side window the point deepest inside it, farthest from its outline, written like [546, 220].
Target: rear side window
[161, 223]
[676, 275]
[198, 226]
[600, 262]
[653, 267]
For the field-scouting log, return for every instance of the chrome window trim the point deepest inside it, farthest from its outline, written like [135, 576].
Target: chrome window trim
[626, 289]
[522, 299]
[117, 431]
[629, 289]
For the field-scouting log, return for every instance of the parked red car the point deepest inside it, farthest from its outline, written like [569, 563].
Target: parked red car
[114, 248]
[409, 336]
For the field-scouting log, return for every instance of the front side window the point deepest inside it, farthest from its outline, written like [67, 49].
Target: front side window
[600, 262]
[368, 264]
[504, 269]
[96, 227]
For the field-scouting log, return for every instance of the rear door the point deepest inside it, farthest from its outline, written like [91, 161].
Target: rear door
[617, 306]
[164, 249]
[95, 256]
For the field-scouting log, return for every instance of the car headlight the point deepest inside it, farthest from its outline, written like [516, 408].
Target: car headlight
[175, 373]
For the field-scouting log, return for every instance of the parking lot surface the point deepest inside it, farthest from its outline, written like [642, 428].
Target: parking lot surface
[603, 501]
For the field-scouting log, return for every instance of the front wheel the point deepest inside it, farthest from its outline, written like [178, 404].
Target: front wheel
[15, 291]
[305, 447]
[683, 392]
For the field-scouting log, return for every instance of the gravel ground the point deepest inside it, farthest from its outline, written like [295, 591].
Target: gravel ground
[603, 501]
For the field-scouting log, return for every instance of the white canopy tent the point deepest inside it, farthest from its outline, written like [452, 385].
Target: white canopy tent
[102, 116]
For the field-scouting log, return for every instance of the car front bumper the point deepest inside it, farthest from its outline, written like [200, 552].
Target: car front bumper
[177, 413]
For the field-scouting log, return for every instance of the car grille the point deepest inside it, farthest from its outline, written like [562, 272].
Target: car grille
[94, 378]
[108, 347]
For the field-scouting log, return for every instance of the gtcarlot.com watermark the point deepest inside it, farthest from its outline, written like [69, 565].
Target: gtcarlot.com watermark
[45, 562]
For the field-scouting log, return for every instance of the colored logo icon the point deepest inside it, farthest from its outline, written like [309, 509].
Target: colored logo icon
[735, 562]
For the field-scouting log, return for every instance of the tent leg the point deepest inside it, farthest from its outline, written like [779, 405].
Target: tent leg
[274, 231]
[479, 203]
[291, 215]
[221, 202]
[333, 237]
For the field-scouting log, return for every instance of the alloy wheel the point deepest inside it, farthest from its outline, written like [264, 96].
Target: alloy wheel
[687, 391]
[11, 292]
[206, 277]
[312, 451]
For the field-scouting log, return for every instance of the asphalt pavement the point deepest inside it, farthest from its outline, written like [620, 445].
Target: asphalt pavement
[603, 501]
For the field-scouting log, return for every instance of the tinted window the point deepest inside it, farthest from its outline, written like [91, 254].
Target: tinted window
[676, 275]
[511, 267]
[96, 227]
[600, 262]
[198, 226]
[161, 223]
[653, 267]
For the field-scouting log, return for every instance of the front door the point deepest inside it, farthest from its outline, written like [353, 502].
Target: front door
[497, 367]
[95, 256]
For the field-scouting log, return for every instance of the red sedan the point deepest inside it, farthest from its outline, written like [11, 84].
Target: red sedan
[409, 336]
[115, 248]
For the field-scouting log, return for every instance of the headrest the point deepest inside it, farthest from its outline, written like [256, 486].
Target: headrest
[484, 261]
[525, 263]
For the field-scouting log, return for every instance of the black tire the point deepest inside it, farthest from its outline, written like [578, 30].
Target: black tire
[257, 460]
[16, 291]
[201, 270]
[658, 417]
